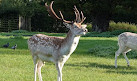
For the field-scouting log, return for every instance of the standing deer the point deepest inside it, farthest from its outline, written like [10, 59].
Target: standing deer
[56, 49]
[126, 42]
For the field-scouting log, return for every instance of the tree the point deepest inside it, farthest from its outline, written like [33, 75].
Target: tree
[26, 11]
[125, 11]
[7, 6]
[100, 12]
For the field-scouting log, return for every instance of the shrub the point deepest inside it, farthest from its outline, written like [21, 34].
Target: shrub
[19, 31]
[114, 29]
[103, 51]
[97, 34]
[89, 27]
[117, 32]
[132, 54]
[122, 26]
[16, 37]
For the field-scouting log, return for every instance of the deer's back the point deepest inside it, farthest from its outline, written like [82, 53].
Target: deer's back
[128, 39]
[40, 43]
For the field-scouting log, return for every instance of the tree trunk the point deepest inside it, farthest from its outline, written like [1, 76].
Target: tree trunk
[25, 23]
[100, 23]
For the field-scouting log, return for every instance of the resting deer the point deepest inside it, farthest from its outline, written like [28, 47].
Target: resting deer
[56, 49]
[126, 42]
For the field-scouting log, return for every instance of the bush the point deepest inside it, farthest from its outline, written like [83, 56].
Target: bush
[103, 51]
[114, 29]
[89, 27]
[132, 54]
[117, 32]
[17, 37]
[19, 31]
[97, 34]
[122, 26]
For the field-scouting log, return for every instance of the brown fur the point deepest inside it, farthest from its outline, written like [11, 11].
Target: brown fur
[40, 37]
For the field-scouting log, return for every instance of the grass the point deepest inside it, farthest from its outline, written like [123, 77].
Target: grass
[83, 65]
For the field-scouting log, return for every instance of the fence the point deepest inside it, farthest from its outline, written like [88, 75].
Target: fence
[9, 22]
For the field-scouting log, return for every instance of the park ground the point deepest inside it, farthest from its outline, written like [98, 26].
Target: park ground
[93, 60]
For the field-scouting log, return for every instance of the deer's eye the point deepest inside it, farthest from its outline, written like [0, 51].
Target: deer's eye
[75, 27]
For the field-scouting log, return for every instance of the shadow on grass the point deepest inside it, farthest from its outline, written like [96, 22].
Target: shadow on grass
[83, 46]
[21, 43]
[101, 66]
[100, 47]
[123, 72]
[82, 49]
[110, 68]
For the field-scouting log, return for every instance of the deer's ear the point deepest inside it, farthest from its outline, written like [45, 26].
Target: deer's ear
[84, 26]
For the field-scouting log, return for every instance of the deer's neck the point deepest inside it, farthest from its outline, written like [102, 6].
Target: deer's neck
[69, 44]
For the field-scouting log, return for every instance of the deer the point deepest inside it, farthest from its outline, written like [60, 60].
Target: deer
[56, 49]
[127, 41]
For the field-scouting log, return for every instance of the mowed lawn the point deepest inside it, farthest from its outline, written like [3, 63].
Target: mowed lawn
[17, 65]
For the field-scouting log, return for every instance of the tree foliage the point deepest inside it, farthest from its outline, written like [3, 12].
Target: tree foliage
[101, 12]
[98, 12]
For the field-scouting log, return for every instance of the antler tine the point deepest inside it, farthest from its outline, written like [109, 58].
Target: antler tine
[76, 16]
[51, 11]
[61, 15]
[82, 14]
[78, 19]
[63, 18]
[53, 14]
[83, 18]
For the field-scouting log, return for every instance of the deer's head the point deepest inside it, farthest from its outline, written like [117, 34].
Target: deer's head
[76, 26]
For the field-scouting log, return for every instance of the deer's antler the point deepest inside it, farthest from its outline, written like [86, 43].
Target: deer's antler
[53, 14]
[78, 19]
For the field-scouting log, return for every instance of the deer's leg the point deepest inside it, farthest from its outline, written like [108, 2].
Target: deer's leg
[39, 66]
[35, 67]
[124, 54]
[117, 53]
[59, 67]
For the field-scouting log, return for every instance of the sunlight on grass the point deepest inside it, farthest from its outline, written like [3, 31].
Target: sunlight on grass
[17, 65]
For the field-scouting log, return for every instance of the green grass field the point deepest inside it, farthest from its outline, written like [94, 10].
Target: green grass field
[93, 60]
